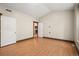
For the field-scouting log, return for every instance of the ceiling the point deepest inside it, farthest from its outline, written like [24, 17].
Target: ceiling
[38, 10]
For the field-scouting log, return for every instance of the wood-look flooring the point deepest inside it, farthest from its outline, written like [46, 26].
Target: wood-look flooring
[40, 47]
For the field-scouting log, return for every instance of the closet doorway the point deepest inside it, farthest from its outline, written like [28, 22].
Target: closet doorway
[35, 29]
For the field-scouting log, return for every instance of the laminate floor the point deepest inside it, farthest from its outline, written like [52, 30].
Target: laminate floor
[40, 47]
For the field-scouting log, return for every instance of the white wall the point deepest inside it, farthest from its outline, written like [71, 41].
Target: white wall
[59, 24]
[76, 26]
[23, 23]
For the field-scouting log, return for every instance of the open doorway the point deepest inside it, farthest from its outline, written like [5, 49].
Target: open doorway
[35, 29]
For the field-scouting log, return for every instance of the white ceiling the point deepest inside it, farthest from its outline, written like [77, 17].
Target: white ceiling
[38, 10]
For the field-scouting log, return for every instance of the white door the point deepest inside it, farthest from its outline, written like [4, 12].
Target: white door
[40, 30]
[8, 30]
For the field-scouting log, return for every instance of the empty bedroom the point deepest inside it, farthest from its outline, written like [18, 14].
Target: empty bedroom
[39, 29]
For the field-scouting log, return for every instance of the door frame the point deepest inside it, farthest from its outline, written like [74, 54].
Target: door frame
[33, 28]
